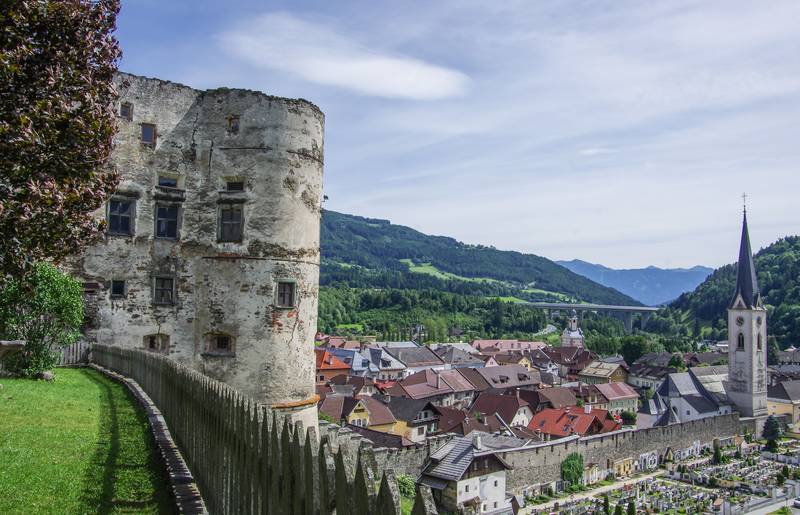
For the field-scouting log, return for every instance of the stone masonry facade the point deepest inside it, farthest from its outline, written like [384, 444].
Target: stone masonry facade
[212, 250]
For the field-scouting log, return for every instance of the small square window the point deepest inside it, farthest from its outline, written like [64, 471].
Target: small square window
[222, 342]
[233, 124]
[120, 216]
[234, 186]
[157, 342]
[230, 222]
[421, 431]
[126, 110]
[286, 294]
[117, 288]
[466, 488]
[164, 290]
[149, 134]
[166, 221]
[169, 182]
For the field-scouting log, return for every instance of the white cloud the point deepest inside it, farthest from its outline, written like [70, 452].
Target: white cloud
[316, 53]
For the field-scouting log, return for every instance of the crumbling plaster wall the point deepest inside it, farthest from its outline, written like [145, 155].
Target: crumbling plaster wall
[221, 287]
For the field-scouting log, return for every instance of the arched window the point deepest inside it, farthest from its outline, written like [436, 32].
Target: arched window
[759, 341]
[740, 342]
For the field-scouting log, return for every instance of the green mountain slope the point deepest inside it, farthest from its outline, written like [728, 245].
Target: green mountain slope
[778, 267]
[652, 285]
[362, 252]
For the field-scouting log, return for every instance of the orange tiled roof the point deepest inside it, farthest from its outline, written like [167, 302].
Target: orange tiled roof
[327, 361]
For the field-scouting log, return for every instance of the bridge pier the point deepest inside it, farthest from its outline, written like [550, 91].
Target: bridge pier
[628, 320]
[645, 319]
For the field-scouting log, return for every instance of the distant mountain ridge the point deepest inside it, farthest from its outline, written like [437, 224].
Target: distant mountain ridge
[652, 286]
[365, 252]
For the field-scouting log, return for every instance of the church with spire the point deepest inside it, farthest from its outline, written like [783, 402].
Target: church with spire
[747, 337]
[742, 385]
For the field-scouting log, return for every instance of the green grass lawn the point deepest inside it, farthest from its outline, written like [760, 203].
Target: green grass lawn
[429, 269]
[78, 445]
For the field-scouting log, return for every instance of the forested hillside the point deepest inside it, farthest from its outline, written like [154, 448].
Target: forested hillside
[778, 267]
[363, 252]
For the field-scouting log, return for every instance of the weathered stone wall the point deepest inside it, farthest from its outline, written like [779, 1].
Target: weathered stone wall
[227, 288]
[542, 464]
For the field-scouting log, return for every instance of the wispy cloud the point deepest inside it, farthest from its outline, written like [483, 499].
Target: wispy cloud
[316, 53]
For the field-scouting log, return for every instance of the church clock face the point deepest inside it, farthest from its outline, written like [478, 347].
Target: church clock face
[740, 321]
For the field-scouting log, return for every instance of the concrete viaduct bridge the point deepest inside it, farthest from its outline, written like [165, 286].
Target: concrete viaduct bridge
[623, 312]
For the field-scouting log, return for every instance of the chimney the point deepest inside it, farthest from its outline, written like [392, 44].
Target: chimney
[476, 442]
[587, 409]
[517, 393]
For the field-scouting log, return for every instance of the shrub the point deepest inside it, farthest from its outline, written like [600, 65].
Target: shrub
[46, 310]
[628, 418]
[631, 508]
[618, 510]
[772, 432]
[606, 505]
[406, 486]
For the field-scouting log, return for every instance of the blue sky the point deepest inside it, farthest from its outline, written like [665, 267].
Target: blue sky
[622, 133]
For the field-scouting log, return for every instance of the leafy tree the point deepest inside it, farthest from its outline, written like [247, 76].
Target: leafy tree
[717, 459]
[631, 508]
[606, 505]
[781, 479]
[572, 469]
[677, 362]
[57, 61]
[772, 432]
[628, 418]
[45, 308]
[406, 486]
[772, 351]
[634, 347]
[618, 510]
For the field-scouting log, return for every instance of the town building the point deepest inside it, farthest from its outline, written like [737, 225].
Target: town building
[469, 473]
[784, 399]
[648, 377]
[621, 397]
[416, 358]
[573, 334]
[560, 423]
[512, 409]
[359, 411]
[329, 366]
[416, 418]
[383, 366]
[457, 357]
[602, 372]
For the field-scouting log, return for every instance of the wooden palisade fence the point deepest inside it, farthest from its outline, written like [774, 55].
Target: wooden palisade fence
[75, 354]
[247, 460]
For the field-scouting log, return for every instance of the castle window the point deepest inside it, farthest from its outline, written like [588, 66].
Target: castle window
[166, 221]
[169, 182]
[286, 294]
[759, 341]
[149, 134]
[230, 222]
[220, 344]
[126, 110]
[120, 216]
[740, 342]
[157, 342]
[233, 124]
[164, 290]
[234, 186]
[117, 288]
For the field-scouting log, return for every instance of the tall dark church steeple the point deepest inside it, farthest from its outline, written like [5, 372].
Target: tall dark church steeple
[746, 280]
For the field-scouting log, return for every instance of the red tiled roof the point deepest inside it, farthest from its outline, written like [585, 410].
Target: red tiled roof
[568, 421]
[327, 361]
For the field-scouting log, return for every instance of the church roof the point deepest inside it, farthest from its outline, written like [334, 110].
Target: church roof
[746, 281]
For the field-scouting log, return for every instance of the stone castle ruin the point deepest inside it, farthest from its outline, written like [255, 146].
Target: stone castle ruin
[212, 248]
